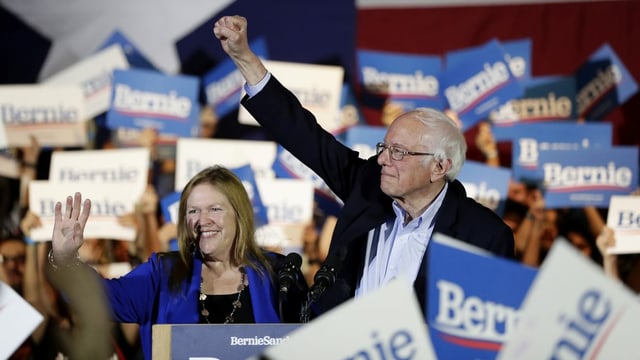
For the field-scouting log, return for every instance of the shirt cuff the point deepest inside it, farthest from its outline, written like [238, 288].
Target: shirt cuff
[254, 89]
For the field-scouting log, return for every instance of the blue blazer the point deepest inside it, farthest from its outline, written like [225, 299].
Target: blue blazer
[357, 183]
[143, 296]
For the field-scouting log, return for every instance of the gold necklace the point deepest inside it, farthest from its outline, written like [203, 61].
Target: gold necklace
[236, 304]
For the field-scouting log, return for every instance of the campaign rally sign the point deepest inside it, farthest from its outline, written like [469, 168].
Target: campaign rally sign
[518, 56]
[223, 84]
[95, 75]
[135, 58]
[3, 137]
[246, 175]
[533, 138]
[517, 53]
[110, 166]
[289, 167]
[363, 139]
[108, 202]
[573, 310]
[487, 185]
[473, 299]
[623, 217]
[113, 270]
[170, 206]
[289, 204]
[149, 99]
[288, 201]
[479, 83]
[54, 114]
[350, 111]
[317, 87]
[18, 319]
[551, 100]
[385, 324]
[603, 83]
[9, 166]
[194, 154]
[581, 178]
[410, 80]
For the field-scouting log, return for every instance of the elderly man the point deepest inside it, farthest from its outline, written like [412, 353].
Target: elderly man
[393, 202]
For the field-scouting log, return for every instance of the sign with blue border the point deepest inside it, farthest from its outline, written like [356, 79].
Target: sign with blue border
[467, 317]
[149, 99]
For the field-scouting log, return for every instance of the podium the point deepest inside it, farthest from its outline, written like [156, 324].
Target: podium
[216, 341]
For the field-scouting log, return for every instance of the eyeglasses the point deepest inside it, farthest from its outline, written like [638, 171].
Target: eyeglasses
[396, 153]
[6, 259]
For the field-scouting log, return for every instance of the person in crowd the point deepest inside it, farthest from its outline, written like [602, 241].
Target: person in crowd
[487, 145]
[393, 202]
[12, 262]
[219, 275]
[537, 229]
[621, 267]
[513, 215]
[624, 267]
[574, 226]
[604, 241]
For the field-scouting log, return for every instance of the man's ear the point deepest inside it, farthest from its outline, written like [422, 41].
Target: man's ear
[439, 169]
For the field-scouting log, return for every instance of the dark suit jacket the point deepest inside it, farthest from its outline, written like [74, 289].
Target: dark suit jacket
[357, 182]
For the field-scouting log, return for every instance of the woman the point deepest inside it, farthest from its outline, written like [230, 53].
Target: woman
[219, 274]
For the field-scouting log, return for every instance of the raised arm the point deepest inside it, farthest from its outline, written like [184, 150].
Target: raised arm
[605, 240]
[232, 33]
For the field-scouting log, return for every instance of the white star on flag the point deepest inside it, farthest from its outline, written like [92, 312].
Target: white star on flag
[78, 28]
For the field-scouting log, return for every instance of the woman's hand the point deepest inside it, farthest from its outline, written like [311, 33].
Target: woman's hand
[68, 228]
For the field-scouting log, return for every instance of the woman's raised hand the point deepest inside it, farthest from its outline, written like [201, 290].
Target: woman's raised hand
[68, 228]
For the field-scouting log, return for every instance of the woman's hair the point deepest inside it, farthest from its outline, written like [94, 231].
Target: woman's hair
[444, 138]
[245, 249]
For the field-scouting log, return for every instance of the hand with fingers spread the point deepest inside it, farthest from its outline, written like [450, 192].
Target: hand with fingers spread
[68, 228]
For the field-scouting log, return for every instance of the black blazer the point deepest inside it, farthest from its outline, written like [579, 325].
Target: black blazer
[357, 183]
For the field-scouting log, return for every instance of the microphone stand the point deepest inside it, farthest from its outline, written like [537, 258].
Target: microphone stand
[287, 278]
[324, 278]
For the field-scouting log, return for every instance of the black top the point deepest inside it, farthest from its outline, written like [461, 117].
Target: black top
[220, 306]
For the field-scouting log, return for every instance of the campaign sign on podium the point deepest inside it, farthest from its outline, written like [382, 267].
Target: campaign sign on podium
[216, 341]
[473, 299]
[573, 310]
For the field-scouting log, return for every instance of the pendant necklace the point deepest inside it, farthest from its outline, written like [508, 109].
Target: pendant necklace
[236, 303]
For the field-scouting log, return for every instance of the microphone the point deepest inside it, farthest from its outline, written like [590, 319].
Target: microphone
[288, 273]
[326, 276]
